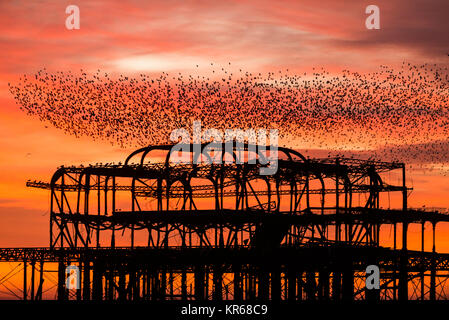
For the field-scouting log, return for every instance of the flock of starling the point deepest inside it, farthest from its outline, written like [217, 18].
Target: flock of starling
[393, 114]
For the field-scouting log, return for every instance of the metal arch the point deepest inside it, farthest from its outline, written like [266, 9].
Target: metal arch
[136, 152]
[246, 147]
[58, 173]
[289, 153]
[146, 150]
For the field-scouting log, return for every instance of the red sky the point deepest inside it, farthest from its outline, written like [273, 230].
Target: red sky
[127, 37]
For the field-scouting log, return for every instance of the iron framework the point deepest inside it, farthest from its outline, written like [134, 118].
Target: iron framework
[154, 228]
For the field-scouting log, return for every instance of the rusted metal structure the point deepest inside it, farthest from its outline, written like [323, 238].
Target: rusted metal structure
[215, 228]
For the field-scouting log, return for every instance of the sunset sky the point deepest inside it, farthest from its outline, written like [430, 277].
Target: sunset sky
[131, 37]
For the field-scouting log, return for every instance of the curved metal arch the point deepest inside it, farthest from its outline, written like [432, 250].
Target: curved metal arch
[146, 150]
[58, 174]
[288, 152]
[246, 147]
[135, 153]
[203, 146]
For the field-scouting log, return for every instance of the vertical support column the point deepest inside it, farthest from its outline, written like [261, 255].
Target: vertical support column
[110, 281]
[337, 202]
[133, 207]
[320, 286]
[404, 236]
[155, 284]
[61, 280]
[300, 285]
[310, 285]
[403, 283]
[33, 269]
[308, 189]
[238, 293]
[324, 284]
[61, 228]
[199, 283]
[78, 291]
[348, 280]
[422, 271]
[122, 284]
[86, 280]
[98, 207]
[41, 280]
[97, 281]
[217, 280]
[52, 216]
[403, 273]
[25, 280]
[184, 284]
[433, 267]
[113, 211]
[206, 283]
[291, 282]
[394, 236]
[170, 283]
[336, 285]
[264, 284]
[150, 281]
[433, 236]
[163, 284]
[404, 209]
[276, 284]
[250, 285]
[136, 284]
[131, 280]
[86, 204]
[395, 269]
[404, 189]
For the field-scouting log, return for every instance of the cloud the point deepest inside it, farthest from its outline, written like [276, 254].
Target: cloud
[148, 34]
[158, 62]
